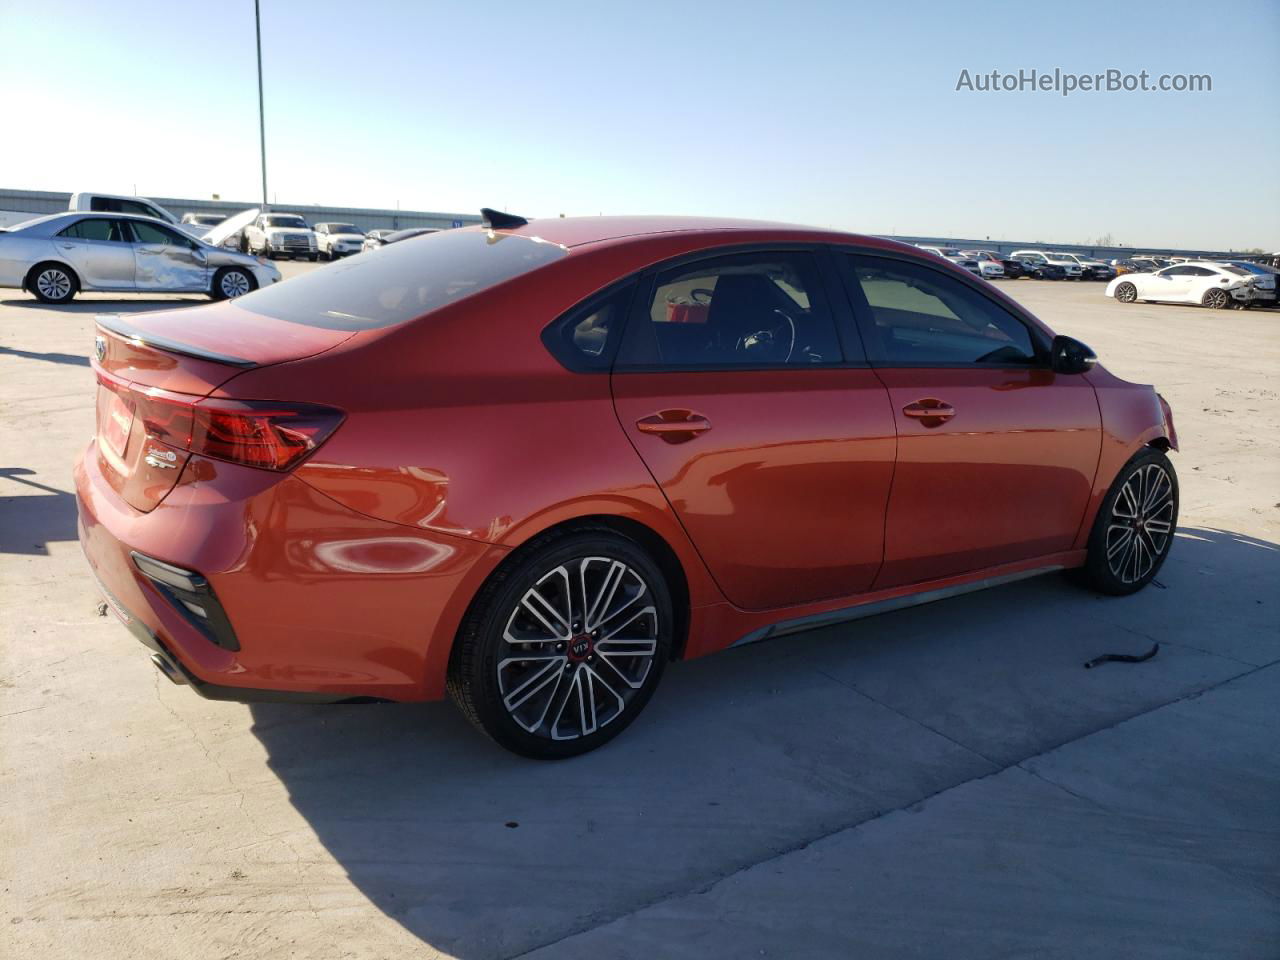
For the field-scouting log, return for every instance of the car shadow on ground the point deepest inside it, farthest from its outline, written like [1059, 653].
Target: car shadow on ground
[68, 358]
[126, 304]
[753, 752]
[33, 515]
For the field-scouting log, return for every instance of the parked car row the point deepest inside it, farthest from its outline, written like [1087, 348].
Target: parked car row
[1036, 264]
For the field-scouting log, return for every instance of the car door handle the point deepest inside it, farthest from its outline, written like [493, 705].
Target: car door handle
[674, 426]
[67, 246]
[929, 409]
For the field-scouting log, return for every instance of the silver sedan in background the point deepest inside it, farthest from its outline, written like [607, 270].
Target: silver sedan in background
[55, 257]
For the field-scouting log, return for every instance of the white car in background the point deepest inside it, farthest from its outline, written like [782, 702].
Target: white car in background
[274, 235]
[1215, 285]
[956, 257]
[334, 240]
[989, 268]
[1039, 258]
[1090, 269]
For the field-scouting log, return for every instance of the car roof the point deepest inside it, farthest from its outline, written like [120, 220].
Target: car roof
[576, 231]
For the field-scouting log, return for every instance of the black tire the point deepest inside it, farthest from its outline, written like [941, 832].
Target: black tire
[52, 282]
[324, 255]
[1127, 293]
[1216, 299]
[1120, 564]
[224, 284]
[314, 257]
[482, 651]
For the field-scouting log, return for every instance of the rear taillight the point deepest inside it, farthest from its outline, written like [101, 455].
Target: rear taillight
[256, 433]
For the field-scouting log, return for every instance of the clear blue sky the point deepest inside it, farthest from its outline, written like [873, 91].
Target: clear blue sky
[832, 113]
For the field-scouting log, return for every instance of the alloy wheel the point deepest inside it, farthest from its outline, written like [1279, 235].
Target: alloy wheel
[53, 283]
[1141, 523]
[1126, 293]
[234, 284]
[579, 646]
[1217, 299]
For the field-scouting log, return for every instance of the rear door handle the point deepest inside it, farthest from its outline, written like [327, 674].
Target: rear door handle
[929, 409]
[674, 426]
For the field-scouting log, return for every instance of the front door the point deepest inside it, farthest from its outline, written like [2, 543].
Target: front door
[99, 250]
[775, 453]
[164, 259]
[996, 452]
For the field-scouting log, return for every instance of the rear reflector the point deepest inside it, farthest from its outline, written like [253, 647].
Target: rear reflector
[256, 433]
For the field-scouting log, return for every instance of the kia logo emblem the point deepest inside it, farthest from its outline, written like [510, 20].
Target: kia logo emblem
[100, 348]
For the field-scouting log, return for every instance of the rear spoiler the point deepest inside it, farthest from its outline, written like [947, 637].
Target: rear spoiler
[113, 323]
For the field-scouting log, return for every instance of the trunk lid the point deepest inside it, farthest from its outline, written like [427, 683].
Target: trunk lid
[151, 370]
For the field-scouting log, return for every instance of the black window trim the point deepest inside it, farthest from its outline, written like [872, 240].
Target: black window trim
[862, 311]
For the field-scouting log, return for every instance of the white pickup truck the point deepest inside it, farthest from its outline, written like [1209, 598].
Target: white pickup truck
[109, 203]
[274, 235]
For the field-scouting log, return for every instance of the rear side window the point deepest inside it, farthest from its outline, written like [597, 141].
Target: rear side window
[583, 339]
[98, 228]
[404, 281]
[753, 310]
[920, 316]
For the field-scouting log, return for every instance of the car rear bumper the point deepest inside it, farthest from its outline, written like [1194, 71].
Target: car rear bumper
[323, 603]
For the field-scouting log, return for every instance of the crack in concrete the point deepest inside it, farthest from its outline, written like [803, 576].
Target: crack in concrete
[703, 888]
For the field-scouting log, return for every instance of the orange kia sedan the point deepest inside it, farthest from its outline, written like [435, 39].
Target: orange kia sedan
[531, 462]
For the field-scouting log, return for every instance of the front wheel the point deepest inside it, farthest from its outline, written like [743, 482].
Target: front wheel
[1216, 299]
[562, 649]
[1134, 529]
[231, 282]
[1127, 293]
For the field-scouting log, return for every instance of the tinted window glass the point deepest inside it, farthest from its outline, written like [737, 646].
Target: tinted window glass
[98, 228]
[405, 280]
[278, 220]
[750, 310]
[922, 316]
[583, 338]
[151, 233]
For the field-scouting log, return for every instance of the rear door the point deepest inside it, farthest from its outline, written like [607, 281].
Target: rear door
[99, 250]
[772, 440]
[996, 452]
[165, 259]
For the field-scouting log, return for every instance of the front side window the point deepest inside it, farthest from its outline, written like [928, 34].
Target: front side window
[97, 228]
[748, 310]
[152, 233]
[919, 316]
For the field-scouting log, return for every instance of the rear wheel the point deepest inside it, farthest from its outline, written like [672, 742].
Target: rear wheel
[563, 648]
[1134, 529]
[1127, 293]
[1216, 299]
[52, 282]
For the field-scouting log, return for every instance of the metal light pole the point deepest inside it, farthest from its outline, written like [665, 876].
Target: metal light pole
[262, 123]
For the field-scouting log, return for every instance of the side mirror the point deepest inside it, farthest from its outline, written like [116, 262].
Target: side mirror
[1069, 355]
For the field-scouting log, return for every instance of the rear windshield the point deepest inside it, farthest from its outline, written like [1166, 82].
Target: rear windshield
[403, 281]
